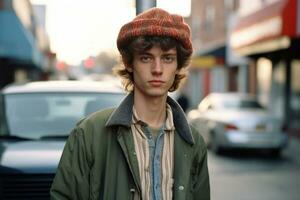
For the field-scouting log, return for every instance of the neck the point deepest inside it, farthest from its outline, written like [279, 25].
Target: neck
[151, 110]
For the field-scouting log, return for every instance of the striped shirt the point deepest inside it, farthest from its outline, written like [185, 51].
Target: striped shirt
[155, 157]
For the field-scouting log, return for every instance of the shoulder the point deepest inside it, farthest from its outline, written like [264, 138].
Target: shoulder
[199, 141]
[89, 130]
[98, 118]
[93, 125]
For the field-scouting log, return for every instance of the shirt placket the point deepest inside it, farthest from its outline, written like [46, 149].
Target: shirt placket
[156, 149]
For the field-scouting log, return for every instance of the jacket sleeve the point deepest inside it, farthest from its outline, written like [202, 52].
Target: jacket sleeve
[201, 185]
[72, 177]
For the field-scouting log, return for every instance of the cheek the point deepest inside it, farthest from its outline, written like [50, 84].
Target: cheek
[173, 72]
[172, 77]
[138, 74]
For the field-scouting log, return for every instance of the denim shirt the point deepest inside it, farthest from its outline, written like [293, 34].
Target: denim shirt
[155, 148]
[155, 152]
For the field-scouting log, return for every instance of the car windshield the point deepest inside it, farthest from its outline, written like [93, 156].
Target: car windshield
[241, 103]
[40, 115]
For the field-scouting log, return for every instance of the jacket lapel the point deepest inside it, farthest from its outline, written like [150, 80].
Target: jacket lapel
[182, 162]
[125, 140]
[180, 122]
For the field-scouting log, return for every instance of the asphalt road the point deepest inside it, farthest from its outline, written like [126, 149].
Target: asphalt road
[244, 175]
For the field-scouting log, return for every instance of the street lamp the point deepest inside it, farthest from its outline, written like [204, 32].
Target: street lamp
[142, 5]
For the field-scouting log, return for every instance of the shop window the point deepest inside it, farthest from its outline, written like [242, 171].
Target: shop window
[210, 15]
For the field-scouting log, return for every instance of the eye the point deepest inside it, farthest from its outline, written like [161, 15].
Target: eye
[169, 58]
[145, 59]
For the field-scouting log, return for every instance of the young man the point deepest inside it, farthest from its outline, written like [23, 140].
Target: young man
[144, 149]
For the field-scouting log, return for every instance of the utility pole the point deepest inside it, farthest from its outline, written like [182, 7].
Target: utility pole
[142, 5]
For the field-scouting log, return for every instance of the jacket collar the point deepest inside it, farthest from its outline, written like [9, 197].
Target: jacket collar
[122, 115]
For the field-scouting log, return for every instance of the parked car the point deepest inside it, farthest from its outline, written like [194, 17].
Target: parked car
[233, 120]
[35, 120]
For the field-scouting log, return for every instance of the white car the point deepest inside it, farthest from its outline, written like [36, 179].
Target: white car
[46, 108]
[233, 120]
[35, 120]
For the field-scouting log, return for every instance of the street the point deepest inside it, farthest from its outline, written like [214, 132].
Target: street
[256, 176]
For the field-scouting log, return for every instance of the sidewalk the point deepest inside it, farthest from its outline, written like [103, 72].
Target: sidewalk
[292, 151]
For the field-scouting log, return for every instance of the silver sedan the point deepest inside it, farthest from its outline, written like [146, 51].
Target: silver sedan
[233, 120]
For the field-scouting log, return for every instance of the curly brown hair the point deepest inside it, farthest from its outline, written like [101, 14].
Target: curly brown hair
[144, 43]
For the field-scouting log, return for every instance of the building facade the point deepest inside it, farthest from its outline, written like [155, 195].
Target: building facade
[22, 57]
[214, 68]
[268, 32]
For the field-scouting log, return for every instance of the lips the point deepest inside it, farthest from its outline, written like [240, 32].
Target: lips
[156, 83]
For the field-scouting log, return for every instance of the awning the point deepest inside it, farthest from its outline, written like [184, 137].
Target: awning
[267, 29]
[206, 62]
[16, 42]
[210, 58]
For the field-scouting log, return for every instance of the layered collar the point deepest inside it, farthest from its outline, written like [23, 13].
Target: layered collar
[122, 116]
[169, 122]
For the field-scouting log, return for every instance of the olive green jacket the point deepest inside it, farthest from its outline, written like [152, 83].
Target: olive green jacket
[99, 161]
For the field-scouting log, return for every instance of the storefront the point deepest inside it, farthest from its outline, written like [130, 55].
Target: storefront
[270, 35]
[20, 57]
[207, 74]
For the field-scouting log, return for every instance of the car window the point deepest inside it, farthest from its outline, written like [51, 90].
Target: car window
[37, 115]
[245, 104]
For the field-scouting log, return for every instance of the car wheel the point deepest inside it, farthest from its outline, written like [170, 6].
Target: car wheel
[275, 153]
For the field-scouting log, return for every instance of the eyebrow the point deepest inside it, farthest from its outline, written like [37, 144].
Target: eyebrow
[164, 54]
[145, 53]
[169, 54]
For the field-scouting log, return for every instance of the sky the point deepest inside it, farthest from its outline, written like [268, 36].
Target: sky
[78, 29]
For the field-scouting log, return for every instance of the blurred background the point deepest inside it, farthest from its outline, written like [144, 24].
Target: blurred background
[240, 46]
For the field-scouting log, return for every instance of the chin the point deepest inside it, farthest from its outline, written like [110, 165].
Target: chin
[150, 92]
[153, 92]
[157, 93]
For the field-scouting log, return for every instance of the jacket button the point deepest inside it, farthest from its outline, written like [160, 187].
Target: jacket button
[181, 187]
[132, 190]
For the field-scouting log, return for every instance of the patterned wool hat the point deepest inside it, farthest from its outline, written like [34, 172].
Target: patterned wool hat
[156, 22]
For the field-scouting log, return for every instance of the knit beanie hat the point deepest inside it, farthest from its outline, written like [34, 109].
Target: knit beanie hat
[156, 22]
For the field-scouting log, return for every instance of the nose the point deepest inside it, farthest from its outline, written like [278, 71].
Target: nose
[157, 67]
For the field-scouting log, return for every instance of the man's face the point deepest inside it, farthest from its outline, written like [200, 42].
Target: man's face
[154, 71]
